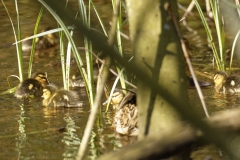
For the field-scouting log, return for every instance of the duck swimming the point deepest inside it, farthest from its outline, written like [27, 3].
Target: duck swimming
[41, 43]
[32, 87]
[226, 84]
[77, 80]
[126, 113]
[54, 97]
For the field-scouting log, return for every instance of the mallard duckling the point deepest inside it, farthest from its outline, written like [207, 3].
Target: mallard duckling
[126, 113]
[32, 87]
[52, 96]
[41, 43]
[77, 80]
[226, 84]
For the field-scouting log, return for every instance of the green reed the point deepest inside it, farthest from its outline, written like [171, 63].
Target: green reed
[17, 38]
[117, 11]
[88, 48]
[33, 43]
[62, 57]
[220, 61]
[236, 37]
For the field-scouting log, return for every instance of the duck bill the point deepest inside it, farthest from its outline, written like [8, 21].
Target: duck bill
[47, 78]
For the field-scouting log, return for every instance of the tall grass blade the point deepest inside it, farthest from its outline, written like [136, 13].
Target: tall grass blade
[232, 52]
[62, 56]
[33, 43]
[220, 30]
[44, 33]
[116, 4]
[99, 19]
[68, 59]
[19, 46]
[88, 49]
[207, 29]
[19, 53]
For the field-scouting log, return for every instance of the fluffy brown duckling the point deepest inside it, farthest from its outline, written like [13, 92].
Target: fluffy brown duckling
[54, 97]
[226, 84]
[126, 113]
[32, 87]
[77, 80]
[41, 43]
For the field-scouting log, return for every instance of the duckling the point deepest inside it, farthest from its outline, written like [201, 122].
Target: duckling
[41, 43]
[52, 96]
[32, 87]
[27, 45]
[51, 39]
[126, 113]
[226, 84]
[77, 80]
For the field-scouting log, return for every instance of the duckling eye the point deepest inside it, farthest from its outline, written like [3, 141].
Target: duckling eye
[45, 90]
[216, 76]
[41, 76]
[30, 86]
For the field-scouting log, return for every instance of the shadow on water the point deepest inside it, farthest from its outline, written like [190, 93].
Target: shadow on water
[30, 131]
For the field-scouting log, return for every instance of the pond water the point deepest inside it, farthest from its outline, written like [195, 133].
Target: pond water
[30, 131]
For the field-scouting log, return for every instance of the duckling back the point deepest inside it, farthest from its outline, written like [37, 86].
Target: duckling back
[126, 113]
[126, 120]
[31, 87]
[42, 43]
[48, 91]
[232, 85]
[61, 98]
[226, 84]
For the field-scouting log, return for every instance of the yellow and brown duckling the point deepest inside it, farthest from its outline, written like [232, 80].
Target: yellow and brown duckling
[226, 84]
[32, 87]
[126, 113]
[54, 97]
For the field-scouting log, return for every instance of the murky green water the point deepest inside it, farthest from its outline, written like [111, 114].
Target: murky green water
[30, 131]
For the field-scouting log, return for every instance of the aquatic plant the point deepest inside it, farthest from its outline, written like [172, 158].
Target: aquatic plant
[33, 43]
[220, 58]
[88, 49]
[74, 49]
[220, 61]
[17, 37]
